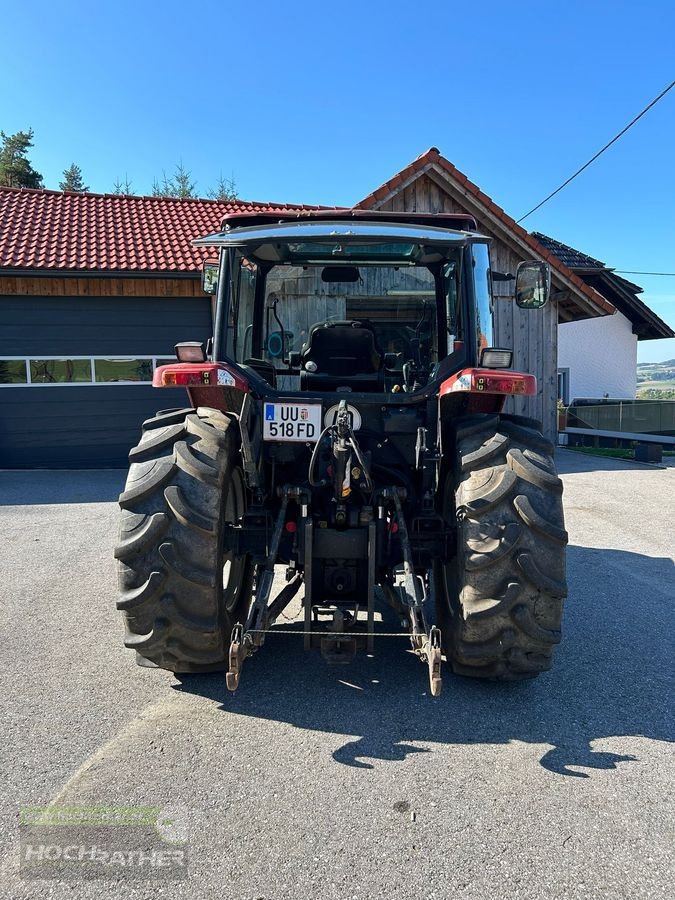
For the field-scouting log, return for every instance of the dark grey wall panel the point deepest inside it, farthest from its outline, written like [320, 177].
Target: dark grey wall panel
[78, 427]
[96, 326]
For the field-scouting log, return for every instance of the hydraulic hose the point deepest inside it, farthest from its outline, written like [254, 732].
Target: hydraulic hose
[315, 456]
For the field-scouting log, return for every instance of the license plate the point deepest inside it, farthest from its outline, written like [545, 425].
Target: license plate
[292, 422]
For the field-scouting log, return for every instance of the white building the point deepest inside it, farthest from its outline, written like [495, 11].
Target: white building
[598, 357]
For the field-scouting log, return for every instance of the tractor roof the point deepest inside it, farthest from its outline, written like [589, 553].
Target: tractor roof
[315, 240]
[456, 222]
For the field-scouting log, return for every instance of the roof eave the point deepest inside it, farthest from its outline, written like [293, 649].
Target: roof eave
[639, 314]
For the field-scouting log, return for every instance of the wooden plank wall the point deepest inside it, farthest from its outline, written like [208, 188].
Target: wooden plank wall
[82, 286]
[533, 334]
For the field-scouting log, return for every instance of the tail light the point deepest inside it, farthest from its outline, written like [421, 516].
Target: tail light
[204, 374]
[488, 381]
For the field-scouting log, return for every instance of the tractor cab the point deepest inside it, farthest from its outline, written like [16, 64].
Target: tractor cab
[342, 305]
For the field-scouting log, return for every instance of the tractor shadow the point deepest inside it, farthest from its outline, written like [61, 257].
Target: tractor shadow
[612, 677]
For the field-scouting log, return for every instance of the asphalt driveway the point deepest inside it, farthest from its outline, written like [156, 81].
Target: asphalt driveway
[351, 782]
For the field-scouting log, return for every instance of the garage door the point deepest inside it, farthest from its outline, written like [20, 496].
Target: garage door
[75, 374]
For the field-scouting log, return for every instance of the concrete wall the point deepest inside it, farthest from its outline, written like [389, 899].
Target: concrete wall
[601, 355]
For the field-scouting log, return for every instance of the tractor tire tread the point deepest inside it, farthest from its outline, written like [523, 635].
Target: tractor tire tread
[137, 541]
[184, 476]
[166, 417]
[501, 596]
[149, 484]
[157, 440]
[187, 515]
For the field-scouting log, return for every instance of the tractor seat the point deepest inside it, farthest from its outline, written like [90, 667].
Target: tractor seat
[342, 354]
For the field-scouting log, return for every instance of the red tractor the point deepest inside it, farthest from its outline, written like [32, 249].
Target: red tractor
[345, 423]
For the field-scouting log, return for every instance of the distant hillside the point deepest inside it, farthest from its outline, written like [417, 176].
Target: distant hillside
[656, 381]
[668, 363]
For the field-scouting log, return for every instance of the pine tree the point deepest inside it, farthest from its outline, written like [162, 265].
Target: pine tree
[122, 186]
[72, 180]
[225, 189]
[15, 168]
[179, 185]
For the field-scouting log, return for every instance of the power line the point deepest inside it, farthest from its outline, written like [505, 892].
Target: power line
[629, 272]
[599, 153]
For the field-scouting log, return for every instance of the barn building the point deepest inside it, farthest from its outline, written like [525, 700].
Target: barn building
[95, 291]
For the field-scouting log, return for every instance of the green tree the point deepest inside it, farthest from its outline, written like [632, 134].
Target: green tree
[15, 167]
[122, 186]
[72, 180]
[179, 185]
[225, 189]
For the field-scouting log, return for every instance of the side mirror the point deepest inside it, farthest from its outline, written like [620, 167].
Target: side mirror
[533, 284]
[210, 277]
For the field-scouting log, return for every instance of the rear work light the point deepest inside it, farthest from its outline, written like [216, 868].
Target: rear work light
[190, 352]
[495, 358]
[199, 374]
[487, 381]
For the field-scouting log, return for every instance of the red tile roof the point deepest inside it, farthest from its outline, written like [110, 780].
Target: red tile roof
[57, 231]
[433, 157]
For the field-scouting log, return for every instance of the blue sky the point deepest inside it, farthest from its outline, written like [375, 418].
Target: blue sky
[321, 102]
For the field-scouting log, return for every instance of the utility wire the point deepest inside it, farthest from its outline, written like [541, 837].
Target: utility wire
[599, 153]
[629, 272]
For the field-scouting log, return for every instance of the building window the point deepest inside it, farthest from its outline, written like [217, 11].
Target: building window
[107, 370]
[59, 371]
[13, 371]
[79, 370]
[564, 386]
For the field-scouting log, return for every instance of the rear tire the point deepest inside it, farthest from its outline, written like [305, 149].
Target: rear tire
[179, 592]
[500, 599]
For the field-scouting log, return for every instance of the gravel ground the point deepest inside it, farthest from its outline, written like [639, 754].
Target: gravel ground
[351, 782]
